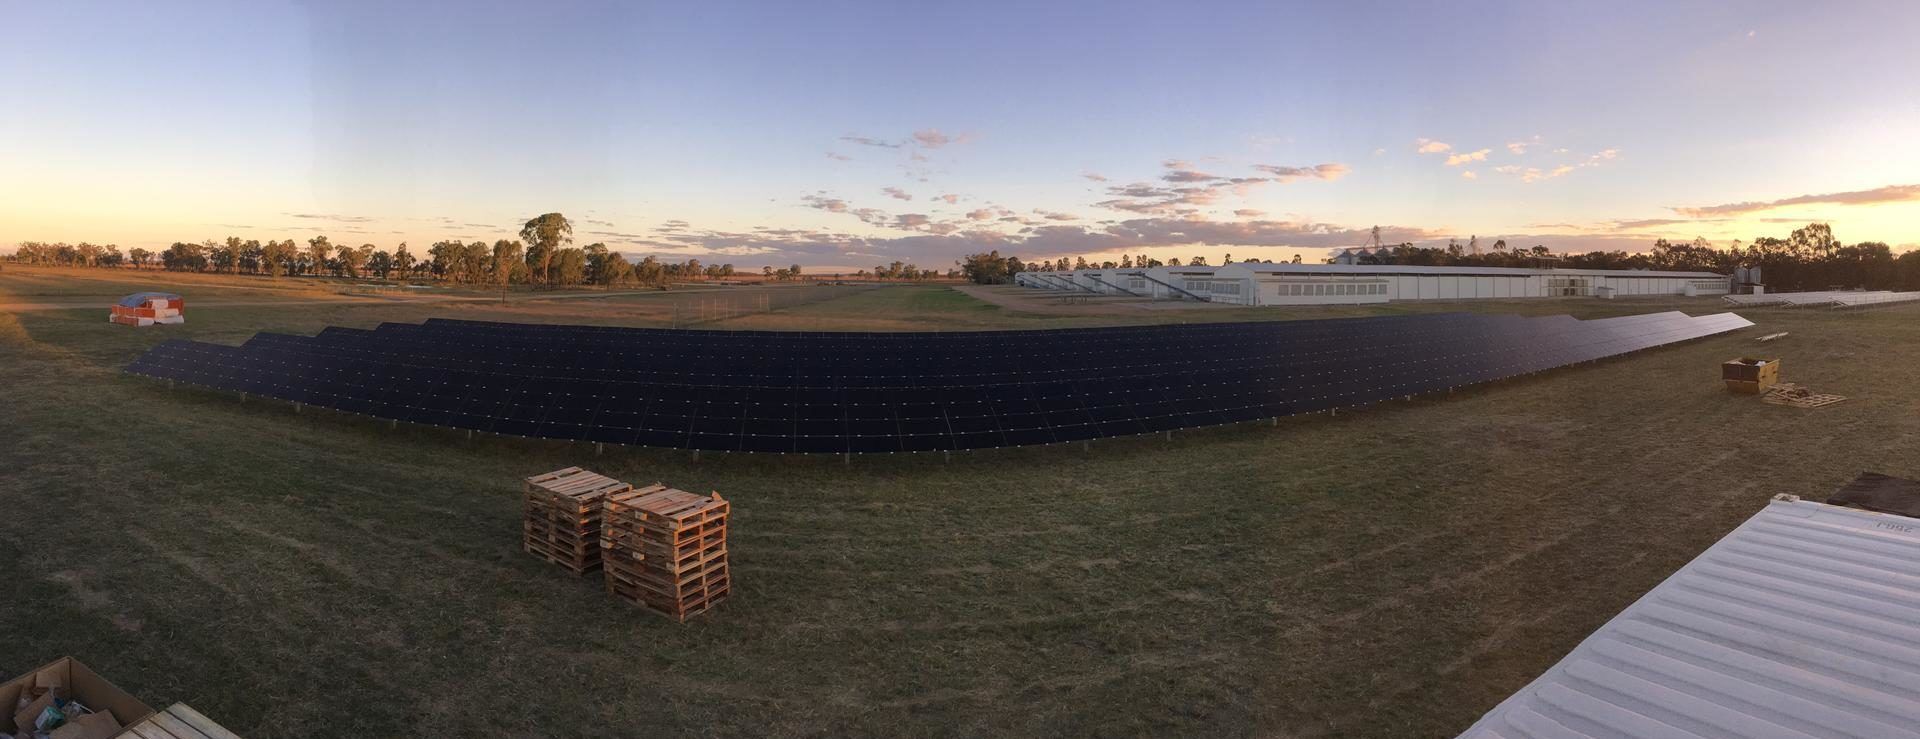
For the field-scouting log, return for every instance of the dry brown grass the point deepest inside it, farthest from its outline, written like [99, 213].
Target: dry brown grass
[1393, 571]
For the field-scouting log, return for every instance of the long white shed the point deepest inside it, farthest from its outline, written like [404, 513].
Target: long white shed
[1803, 622]
[1258, 283]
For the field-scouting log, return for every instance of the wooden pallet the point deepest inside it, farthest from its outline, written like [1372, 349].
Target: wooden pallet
[1798, 396]
[179, 721]
[564, 516]
[666, 550]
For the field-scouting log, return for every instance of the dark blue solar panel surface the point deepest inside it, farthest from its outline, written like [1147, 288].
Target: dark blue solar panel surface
[761, 391]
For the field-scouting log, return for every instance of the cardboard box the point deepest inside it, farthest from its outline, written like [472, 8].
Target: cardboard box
[1749, 375]
[97, 725]
[80, 684]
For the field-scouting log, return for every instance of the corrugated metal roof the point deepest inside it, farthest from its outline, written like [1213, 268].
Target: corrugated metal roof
[1408, 269]
[1803, 622]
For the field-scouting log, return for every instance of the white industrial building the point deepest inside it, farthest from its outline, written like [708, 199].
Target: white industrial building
[1259, 283]
[1803, 622]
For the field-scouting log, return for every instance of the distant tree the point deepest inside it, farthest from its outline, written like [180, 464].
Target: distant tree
[568, 267]
[317, 250]
[380, 264]
[990, 268]
[278, 256]
[544, 236]
[351, 259]
[184, 257]
[403, 261]
[509, 262]
[253, 256]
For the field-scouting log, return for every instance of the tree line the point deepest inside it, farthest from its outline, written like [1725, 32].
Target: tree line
[540, 257]
[1810, 258]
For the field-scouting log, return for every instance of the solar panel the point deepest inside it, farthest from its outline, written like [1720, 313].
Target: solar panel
[861, 392]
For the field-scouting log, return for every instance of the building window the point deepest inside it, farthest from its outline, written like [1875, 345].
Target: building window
[1226, 288]
[1137, 283]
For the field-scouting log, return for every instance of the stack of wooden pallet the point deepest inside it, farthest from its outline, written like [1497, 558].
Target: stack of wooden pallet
[564, 516]
[666, 549]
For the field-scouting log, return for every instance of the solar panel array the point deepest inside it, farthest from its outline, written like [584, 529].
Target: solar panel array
[762, 391]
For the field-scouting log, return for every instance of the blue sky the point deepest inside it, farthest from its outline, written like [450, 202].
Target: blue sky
[733, 132]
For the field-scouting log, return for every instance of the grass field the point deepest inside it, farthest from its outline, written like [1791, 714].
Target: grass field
[1393, 571]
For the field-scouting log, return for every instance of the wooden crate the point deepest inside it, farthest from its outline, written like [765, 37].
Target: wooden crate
[564, 514]
[1750, 375]
[666, 549]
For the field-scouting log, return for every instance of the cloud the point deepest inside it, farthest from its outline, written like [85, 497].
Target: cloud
[911, 221]
[838, 157]
[932, 138]
[983, 214]
[1888, 194]
[1144, 198]
[1329, 171]
[1521, 146]
[1468, 174]
[1378, 152]
[821, 202]
[897, 193]
[330, 217]
[1472, 156]
[870, 216]
[1535, 174]
[1055, 216]
[1188, 175]
[1177, 164]
[1648, 223]
[1429, 146]
[1096, 177]
[950, 198]
[870, 141]
[1249, 213]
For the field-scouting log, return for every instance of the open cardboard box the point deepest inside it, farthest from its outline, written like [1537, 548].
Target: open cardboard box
[80, 684]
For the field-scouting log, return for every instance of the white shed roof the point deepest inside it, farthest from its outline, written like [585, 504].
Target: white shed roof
[1408, 269]
[1803, 622]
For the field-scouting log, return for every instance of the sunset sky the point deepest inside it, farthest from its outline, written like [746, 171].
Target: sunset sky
[848, 134]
